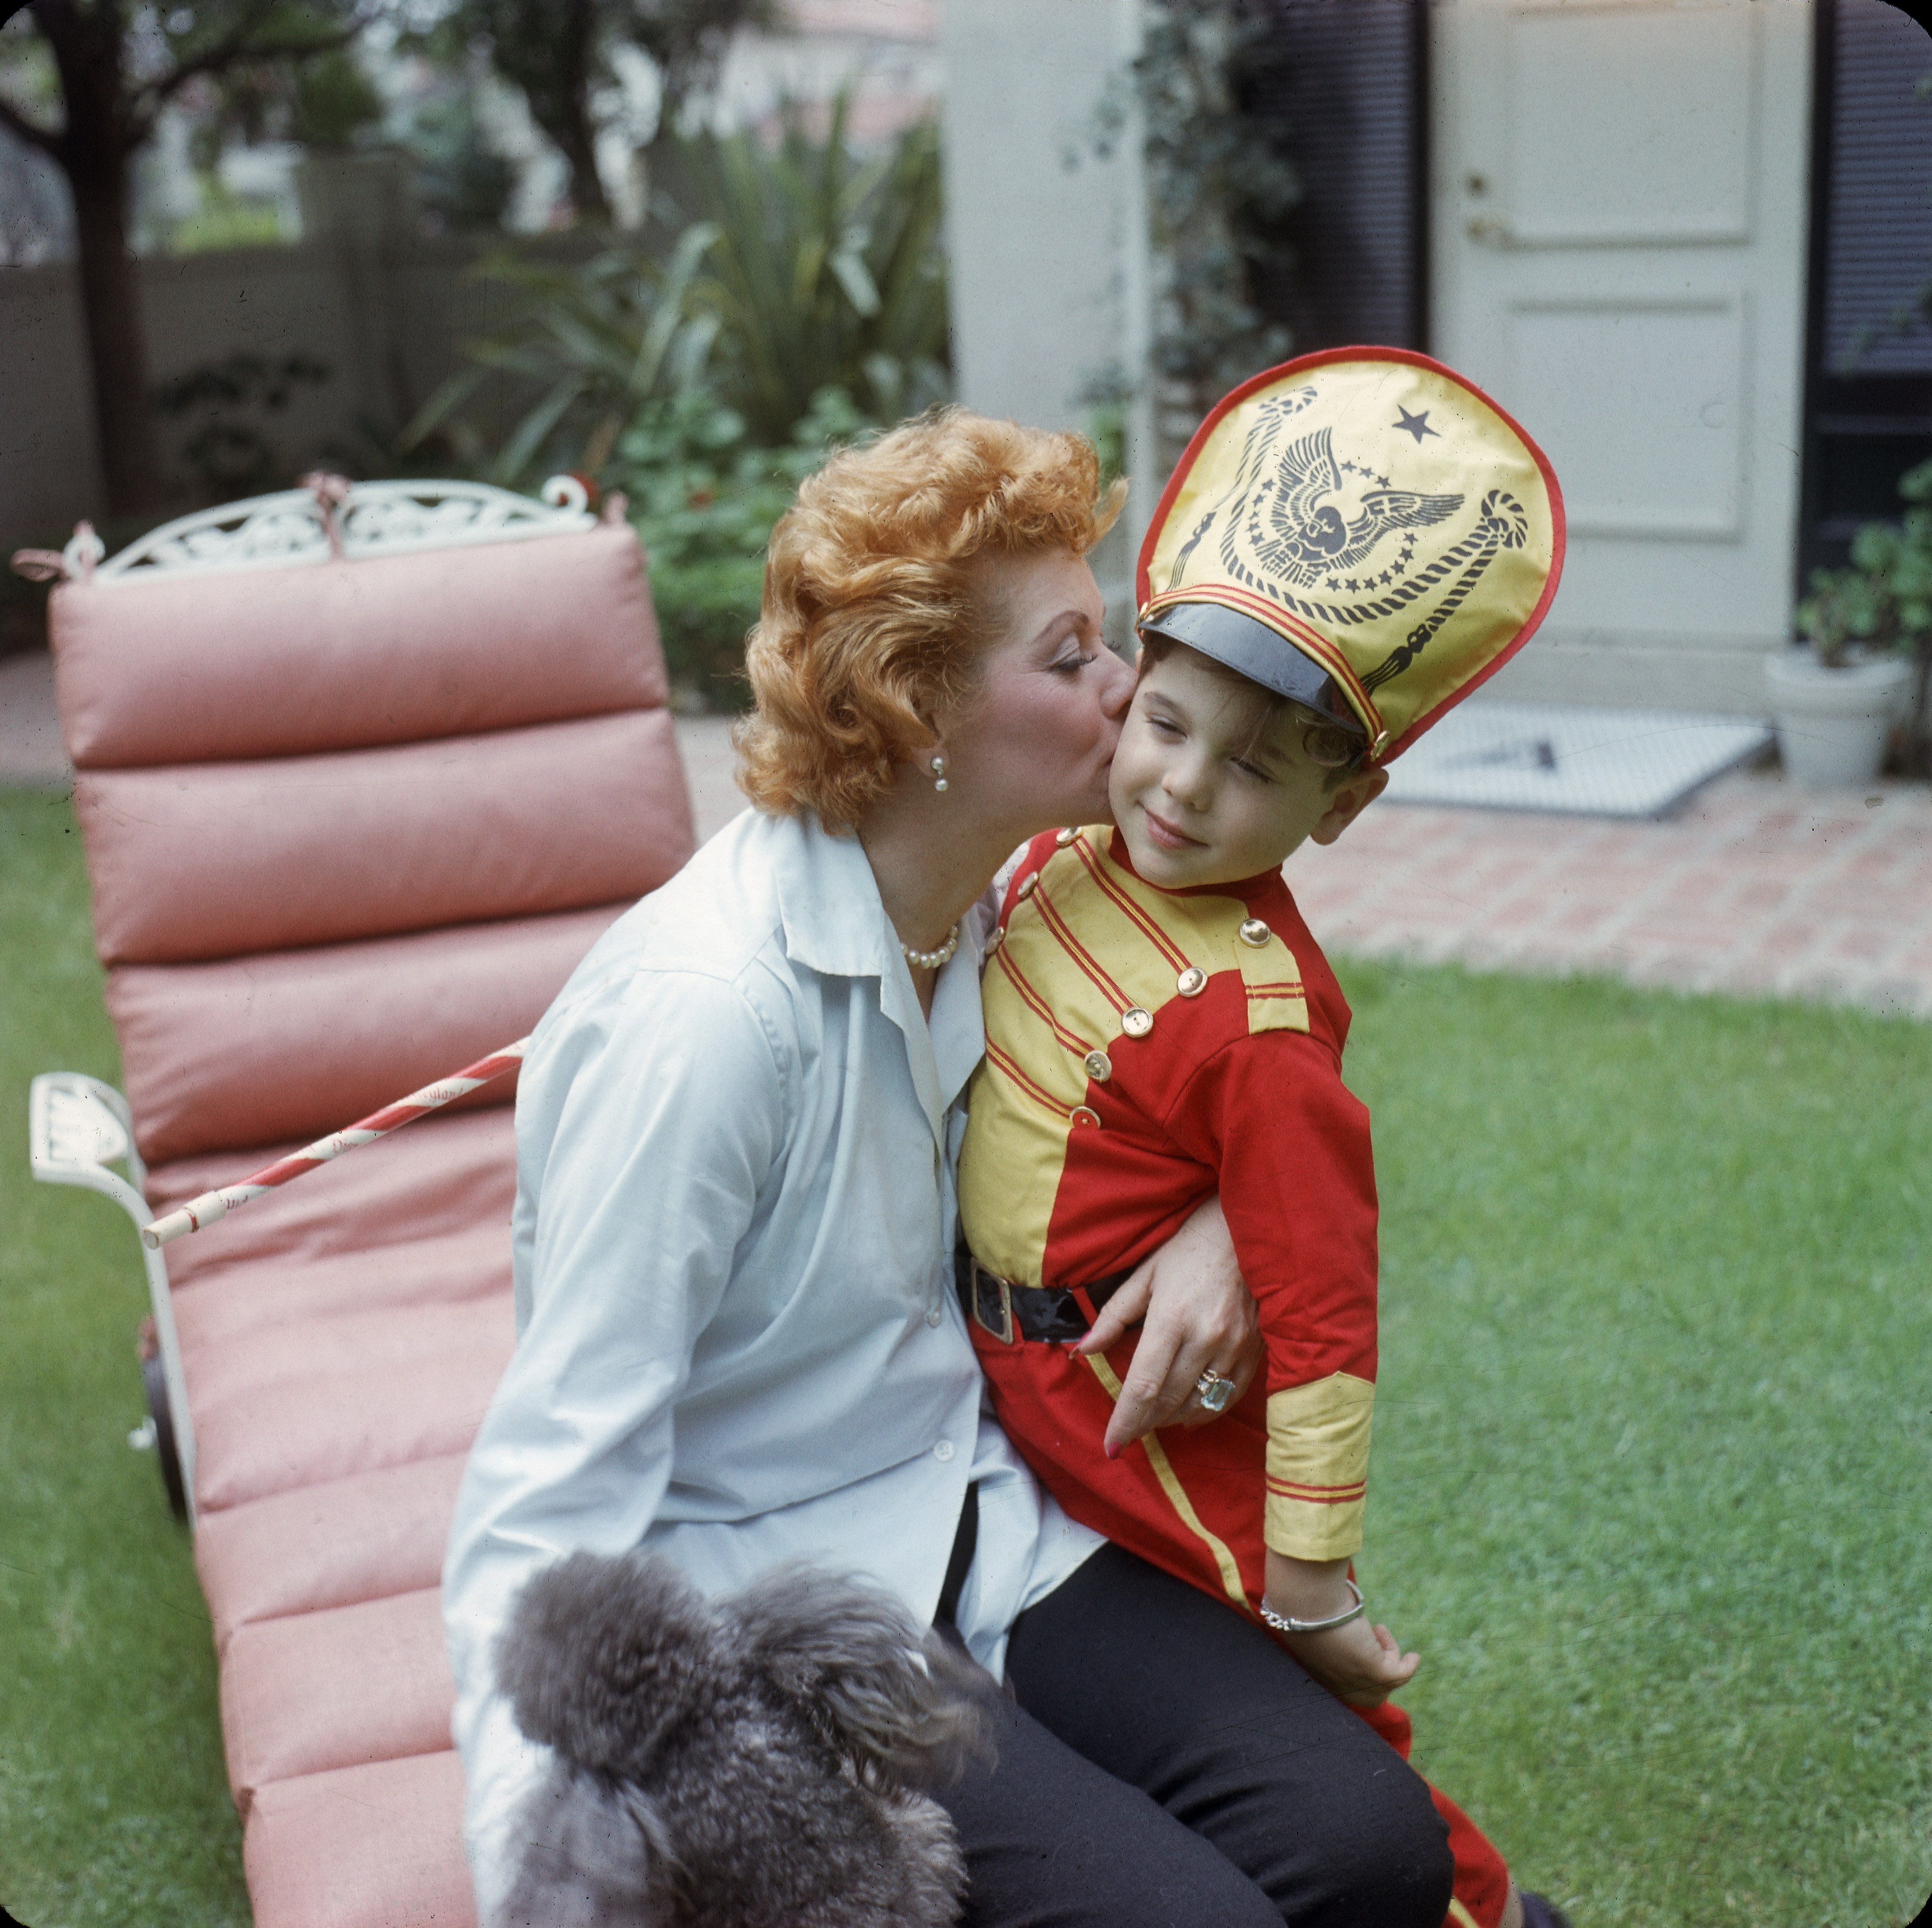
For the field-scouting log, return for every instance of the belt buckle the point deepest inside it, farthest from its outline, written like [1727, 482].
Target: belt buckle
[990, 1289]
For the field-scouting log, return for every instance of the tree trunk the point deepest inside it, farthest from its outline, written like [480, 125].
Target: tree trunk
[586, 186]
[93, 150]
[573, 132]
[117, 348]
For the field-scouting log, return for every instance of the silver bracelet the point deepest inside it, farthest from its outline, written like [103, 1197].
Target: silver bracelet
[1283, 1623]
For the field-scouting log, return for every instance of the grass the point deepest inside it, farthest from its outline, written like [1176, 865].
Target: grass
[114, 1808]
[1650, 1480]
[1650, 1468]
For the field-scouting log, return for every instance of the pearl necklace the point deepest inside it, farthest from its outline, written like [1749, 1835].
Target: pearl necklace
[932, 959]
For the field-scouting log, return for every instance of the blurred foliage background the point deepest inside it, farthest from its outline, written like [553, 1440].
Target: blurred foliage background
[800, 306]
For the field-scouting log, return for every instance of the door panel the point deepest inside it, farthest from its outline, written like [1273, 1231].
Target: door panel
[1620, 205]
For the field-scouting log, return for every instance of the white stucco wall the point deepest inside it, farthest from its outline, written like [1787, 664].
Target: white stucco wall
[1047, 241]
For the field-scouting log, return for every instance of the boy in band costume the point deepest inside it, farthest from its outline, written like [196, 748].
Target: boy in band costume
[1351, 543]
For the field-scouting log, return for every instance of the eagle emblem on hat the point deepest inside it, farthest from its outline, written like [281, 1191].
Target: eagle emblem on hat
[1293, 524]
[1283, 509]
[1305, 501]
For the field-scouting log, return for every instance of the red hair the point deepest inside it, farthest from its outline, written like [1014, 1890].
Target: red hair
[874, 616]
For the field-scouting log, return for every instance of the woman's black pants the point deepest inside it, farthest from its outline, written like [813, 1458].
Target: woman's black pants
[1166, 1765]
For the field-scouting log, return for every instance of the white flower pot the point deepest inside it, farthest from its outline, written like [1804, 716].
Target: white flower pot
[1832, 724]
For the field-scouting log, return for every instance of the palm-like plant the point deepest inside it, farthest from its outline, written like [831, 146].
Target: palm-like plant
[826, 272]
[598, 344]
[803, 302]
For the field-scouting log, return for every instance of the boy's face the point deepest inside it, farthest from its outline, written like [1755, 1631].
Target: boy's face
[1201, 800]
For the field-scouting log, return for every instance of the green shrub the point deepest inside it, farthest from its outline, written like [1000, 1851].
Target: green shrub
[704, 498]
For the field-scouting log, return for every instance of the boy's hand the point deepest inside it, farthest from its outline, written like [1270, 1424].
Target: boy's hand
[1199, 1316]
[1358, 1663]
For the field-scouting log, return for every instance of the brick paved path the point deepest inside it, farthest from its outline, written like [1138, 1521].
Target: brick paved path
[1755, 886]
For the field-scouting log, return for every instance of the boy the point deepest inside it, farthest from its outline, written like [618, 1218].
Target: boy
[1351, 543]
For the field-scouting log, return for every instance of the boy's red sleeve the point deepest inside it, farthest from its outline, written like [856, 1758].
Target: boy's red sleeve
[1291, 1142]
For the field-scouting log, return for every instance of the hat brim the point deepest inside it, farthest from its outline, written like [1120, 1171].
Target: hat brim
[1252, 649]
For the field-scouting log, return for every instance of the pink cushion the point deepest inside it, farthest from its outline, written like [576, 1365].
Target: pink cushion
[293, 1044]
[239, 1304]
[449, 1174]
[294, 1351]
[340, 655]
[334, 1689]
[387, 1413]
[363, 1538]
[370, 1847]
[216, 860]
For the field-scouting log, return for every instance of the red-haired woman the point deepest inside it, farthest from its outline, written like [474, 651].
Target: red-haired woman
[739, 1340]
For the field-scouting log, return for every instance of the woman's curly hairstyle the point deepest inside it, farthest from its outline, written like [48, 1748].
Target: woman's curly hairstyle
[874, 619]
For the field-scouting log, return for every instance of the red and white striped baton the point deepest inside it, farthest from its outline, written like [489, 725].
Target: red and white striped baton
[213, 1205]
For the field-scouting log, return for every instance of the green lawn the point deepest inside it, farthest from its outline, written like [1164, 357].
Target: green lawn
[114, 1810]
[1650, 1487]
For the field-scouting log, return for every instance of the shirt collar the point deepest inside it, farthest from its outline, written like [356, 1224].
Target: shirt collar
[828, 904]
[835, 924]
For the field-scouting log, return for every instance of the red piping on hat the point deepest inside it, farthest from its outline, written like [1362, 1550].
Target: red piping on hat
[1304, 637]
[1268, 378]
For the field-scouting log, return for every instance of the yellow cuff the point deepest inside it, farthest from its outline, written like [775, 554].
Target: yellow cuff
[1318, 1465]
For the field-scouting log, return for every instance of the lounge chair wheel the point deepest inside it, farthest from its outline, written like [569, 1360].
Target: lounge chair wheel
[154, 1378]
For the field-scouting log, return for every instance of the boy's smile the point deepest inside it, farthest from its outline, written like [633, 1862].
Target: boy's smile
[1201, 798]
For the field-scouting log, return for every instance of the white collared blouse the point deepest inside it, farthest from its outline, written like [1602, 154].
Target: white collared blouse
[737, 1336]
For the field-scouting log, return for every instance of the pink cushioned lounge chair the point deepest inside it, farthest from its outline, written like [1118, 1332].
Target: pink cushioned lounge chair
[360, 780]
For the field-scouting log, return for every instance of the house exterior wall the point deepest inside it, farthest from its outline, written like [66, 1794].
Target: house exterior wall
[1046, 239]
[1629, 279]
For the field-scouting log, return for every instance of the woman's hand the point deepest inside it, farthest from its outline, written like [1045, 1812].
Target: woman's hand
[1199, 1317]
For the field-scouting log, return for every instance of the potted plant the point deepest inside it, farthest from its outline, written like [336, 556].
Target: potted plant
[1870, 629]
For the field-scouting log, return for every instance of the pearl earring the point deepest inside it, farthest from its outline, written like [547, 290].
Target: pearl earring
[939, 773]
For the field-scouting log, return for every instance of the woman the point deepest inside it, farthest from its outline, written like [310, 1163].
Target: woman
[739, 1340]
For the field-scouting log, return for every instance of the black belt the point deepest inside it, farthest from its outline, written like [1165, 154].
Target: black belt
[1012, 1312]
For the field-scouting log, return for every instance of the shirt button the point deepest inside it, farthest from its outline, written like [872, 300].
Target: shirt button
[1099, 1066]
[1192, 982]
[1027, 883]
[942, 1451]
[1063, 837]
[1083, 1114]
[998, 937]
[934, 1316]
[1136, 1022]
[1255, 932]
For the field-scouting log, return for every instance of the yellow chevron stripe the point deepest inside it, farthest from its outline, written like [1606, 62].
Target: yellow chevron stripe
[1461, 1915]
[1176, 1494]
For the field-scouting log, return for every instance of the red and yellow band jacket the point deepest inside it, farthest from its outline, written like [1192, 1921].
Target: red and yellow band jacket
[1145, 1047]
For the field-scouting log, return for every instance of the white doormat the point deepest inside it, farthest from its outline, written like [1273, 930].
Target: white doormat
[1596, 763]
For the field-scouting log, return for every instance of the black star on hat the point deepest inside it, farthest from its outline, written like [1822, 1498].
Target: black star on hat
[1417, 425]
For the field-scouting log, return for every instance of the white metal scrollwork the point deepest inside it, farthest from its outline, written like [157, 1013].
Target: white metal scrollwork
[373, 519]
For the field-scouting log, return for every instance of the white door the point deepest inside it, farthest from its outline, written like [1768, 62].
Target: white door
[1619, 214]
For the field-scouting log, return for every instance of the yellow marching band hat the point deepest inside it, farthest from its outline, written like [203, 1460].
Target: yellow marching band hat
[1361, 530]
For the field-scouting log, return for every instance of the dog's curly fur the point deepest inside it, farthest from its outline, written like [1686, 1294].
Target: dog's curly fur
[756, 1761]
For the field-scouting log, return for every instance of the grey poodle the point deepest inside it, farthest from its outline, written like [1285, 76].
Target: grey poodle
[757, 1761]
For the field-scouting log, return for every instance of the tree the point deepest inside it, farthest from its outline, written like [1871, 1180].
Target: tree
[117, 64]
[558, 52]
